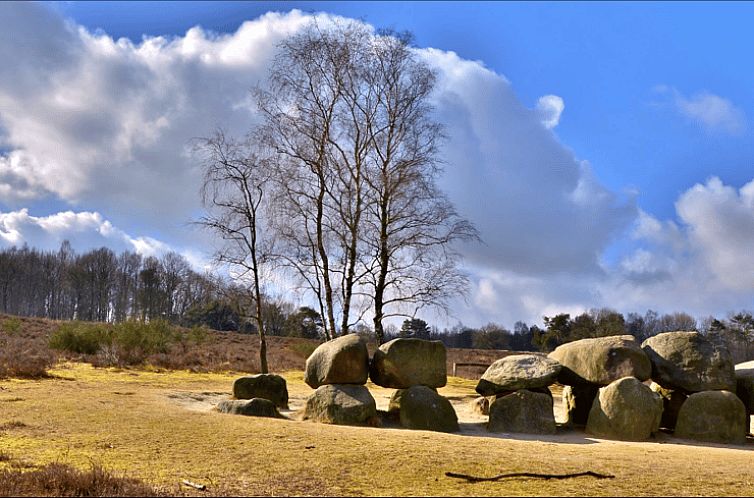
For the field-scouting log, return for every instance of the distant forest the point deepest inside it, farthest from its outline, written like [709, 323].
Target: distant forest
[101, 286]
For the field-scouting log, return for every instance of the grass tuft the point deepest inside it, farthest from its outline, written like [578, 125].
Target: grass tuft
[57, 479]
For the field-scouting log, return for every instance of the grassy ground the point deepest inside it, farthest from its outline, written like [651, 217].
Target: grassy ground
[132, 422]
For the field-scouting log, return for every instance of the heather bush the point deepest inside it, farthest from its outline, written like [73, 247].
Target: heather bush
[22, 358]
[136, 340]
[11, 326]
[56, 479]
[81, 337]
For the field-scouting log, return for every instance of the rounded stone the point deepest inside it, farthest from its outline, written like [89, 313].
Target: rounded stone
[523, 411]
[344, 404]
[344, 360]
[402, 363]
[519, 371]
[626, 409]
[255, 407]
[713, 416]
[690, 362]
[268, 386]
[422, 408]
[601, 360]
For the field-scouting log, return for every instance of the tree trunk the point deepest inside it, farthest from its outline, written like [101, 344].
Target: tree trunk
[379, 291]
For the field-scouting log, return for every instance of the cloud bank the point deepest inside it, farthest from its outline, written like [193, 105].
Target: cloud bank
[105, 126]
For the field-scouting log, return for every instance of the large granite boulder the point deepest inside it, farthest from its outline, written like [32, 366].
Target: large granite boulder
[402, 363]
[626, 409]
[421, 408]
[344, 404]
[522, 411]
[672, 400]
[255, 407]
[519, 371]
[745, 384]
[344, 360]
[713, 416]
[267, 386]
[690, 362]
[601, 360]
[577, 402]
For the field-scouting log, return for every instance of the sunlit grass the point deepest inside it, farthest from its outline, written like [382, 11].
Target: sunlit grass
[125, 420]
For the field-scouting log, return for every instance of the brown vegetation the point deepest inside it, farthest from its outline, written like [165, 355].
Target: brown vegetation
[25, 352]
[56, 479]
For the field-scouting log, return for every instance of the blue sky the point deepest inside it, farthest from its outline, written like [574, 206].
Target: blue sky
[603, 59]
[603, 149]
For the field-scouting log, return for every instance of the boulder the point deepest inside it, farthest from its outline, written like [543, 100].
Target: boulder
[481, 405]
[601, 360]
[671, 404]
[344, 360]
[255, 407]
[267, 386]
[690, 362]
[577, 402]
[745, 384]
[519, 371]
[626, 409]
[344, 404]
[523, 411]
[713, 416]
[421, 408]
[402, 363]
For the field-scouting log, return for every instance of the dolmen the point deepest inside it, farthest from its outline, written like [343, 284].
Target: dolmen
[257, 396]
[698, 382]
[338, 371]
[416, 368]
[518, 386]
[605, 388]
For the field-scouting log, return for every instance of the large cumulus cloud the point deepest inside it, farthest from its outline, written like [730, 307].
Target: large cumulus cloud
[99, 125]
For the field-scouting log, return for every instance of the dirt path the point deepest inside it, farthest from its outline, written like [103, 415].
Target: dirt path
[471, 422]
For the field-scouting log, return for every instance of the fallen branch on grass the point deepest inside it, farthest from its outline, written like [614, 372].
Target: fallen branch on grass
[200, 487]
[528, 474]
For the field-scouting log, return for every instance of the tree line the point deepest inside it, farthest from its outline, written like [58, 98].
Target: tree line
[736, 331]
[99, 285]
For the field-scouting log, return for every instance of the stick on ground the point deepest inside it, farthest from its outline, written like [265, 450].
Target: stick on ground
[200, 487]
[528, 474]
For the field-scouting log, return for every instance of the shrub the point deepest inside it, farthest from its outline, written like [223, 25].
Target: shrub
[80, 337]
[137, 340]
[11, 326]
[56, 479]
[23, 359]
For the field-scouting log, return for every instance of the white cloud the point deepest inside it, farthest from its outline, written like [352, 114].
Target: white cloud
[711, 111]
[703, 264]
[104, 126]
[538, 208]
[85, 230]
[550, 107]
[721, 229]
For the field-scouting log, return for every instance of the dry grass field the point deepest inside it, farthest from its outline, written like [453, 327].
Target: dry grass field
[76, 430]
[158, 426]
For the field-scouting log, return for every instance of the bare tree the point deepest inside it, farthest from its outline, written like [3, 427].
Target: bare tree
[357, 204]
[413, 225]
[314, 121]
[233, 192]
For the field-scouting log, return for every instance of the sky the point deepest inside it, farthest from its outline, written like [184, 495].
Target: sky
[603, 150]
